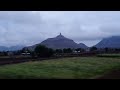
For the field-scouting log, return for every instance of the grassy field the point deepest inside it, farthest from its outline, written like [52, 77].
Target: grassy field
[109, 55]
[67, 68]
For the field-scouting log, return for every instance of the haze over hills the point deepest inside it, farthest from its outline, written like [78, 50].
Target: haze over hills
[12, 48]
[110, 42]
[3, 48]
[59, 42]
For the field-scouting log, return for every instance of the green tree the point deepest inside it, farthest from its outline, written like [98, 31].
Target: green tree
[5, 53]
[50, 52]
[25, 50]
[43, 51]
[93, 48]
[33, 54]
[80, 49]
[106, 49]
[58, 51]
[67, 50]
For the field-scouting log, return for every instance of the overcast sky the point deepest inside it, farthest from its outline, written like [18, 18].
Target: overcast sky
[31, 27]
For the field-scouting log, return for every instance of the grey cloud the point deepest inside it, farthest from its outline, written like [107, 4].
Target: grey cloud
[22, 17]
[29, 28]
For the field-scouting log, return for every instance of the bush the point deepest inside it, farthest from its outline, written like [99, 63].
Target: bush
[32, 54]
[67, 50]
[58, 51]
[93, 48]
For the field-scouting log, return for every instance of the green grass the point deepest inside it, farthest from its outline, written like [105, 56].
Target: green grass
[67, 68]
[109, 55]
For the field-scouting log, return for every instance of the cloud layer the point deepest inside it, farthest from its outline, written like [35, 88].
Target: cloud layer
[28, 28]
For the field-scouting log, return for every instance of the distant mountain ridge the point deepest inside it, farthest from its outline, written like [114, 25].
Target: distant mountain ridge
[59, 42]
[3, 48]
[12, 48]
[110, 42]
[82, 45]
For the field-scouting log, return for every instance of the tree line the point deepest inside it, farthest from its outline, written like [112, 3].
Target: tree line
[43, 51]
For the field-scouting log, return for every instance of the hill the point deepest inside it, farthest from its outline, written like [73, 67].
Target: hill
[110, 42]
[82, 45]
[59, 42]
